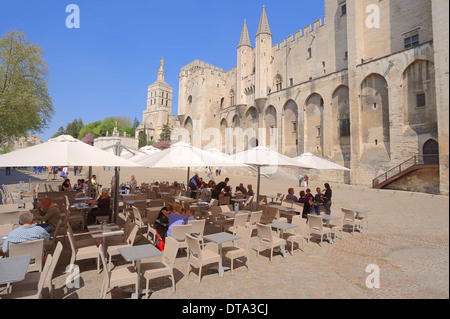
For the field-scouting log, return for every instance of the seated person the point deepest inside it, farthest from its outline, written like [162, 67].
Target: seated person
[189, 215]
[162, 222]
[207, 191]
[133, 183]
[250, 190]
[237, 191]
[318, 200]
[307, 204]
[290, 195]
[154, 186]
[48, 212]
[103, 209]
[175, 218]
[66, 186]
[243, 189]
[27, 231]
[308, 194]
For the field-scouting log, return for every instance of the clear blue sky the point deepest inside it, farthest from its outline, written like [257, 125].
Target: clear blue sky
[103, 68]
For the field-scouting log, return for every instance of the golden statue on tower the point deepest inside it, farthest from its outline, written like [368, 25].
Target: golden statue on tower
[162, 64]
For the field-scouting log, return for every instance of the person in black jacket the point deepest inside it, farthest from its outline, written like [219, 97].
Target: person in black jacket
[327, 199]
[218, 189]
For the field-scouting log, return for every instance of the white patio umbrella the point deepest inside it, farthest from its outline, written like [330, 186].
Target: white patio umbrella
[316, 162]
[65, 150]
[183, 155]
[264, 157]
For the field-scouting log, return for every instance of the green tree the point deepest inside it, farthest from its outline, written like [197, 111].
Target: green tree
[25, 104]
[166, 132]
[72, 129]
[143, 138]
[88, 128]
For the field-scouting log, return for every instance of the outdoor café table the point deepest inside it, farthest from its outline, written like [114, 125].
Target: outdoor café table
[13, 269]
[84, 207]
[358, 211]
[164, 193]
[282, 227]
[199, 206]
[137, 253]
[327, 219]
[184, 199]
[221, 238]
[233, 214]
[272, 197]
[85, 198]
[104, 230]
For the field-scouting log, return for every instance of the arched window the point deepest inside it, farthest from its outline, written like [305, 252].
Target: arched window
[278, 83]
[232, 101]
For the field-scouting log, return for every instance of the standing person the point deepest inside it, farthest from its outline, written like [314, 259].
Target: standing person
[327, 199]
[300, 180]
[306, 180]
[49, 172]
[217, 171]
[75, 168]
[8, 170]
[218, 189]
[250, 191]
[193, 184]
[55, 172]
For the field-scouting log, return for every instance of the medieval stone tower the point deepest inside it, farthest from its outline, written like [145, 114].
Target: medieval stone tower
[159, 107]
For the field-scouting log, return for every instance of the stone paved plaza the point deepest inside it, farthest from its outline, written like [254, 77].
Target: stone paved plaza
[407, 238]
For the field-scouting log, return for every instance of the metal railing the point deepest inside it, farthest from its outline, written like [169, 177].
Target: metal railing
[432, 159]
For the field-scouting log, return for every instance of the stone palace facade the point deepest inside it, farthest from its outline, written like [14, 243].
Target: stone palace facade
[366, 88]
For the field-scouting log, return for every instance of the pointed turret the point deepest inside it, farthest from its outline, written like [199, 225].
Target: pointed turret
[245, 36]
[263, 23]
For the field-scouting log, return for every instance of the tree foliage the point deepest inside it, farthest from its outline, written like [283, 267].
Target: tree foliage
[25, 104]
[73, 129]
[166, 133]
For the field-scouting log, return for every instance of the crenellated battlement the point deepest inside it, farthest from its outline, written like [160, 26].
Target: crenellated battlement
[201, 66]
[310, 29]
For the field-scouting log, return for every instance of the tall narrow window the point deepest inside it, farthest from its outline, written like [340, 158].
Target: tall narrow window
[309, 53]
[421, 100]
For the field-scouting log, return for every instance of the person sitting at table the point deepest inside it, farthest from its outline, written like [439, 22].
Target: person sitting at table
[291, 196]
[308, 194]
[207, 192]
[175, 218]
[250, 191]
[237, 191]
[49, 213]
[188, 215]
[27, 231]
[318, 200]
[133, 183]
[175, 184]
[103, 207]
[162, 221]
[243, 189]
[307, 204]
[66, 186]
[155, 185]
[227, 192]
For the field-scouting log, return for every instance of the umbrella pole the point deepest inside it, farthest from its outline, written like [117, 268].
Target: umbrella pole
[116, 193]
[257, 187]
[187, 182]
[89, 182]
